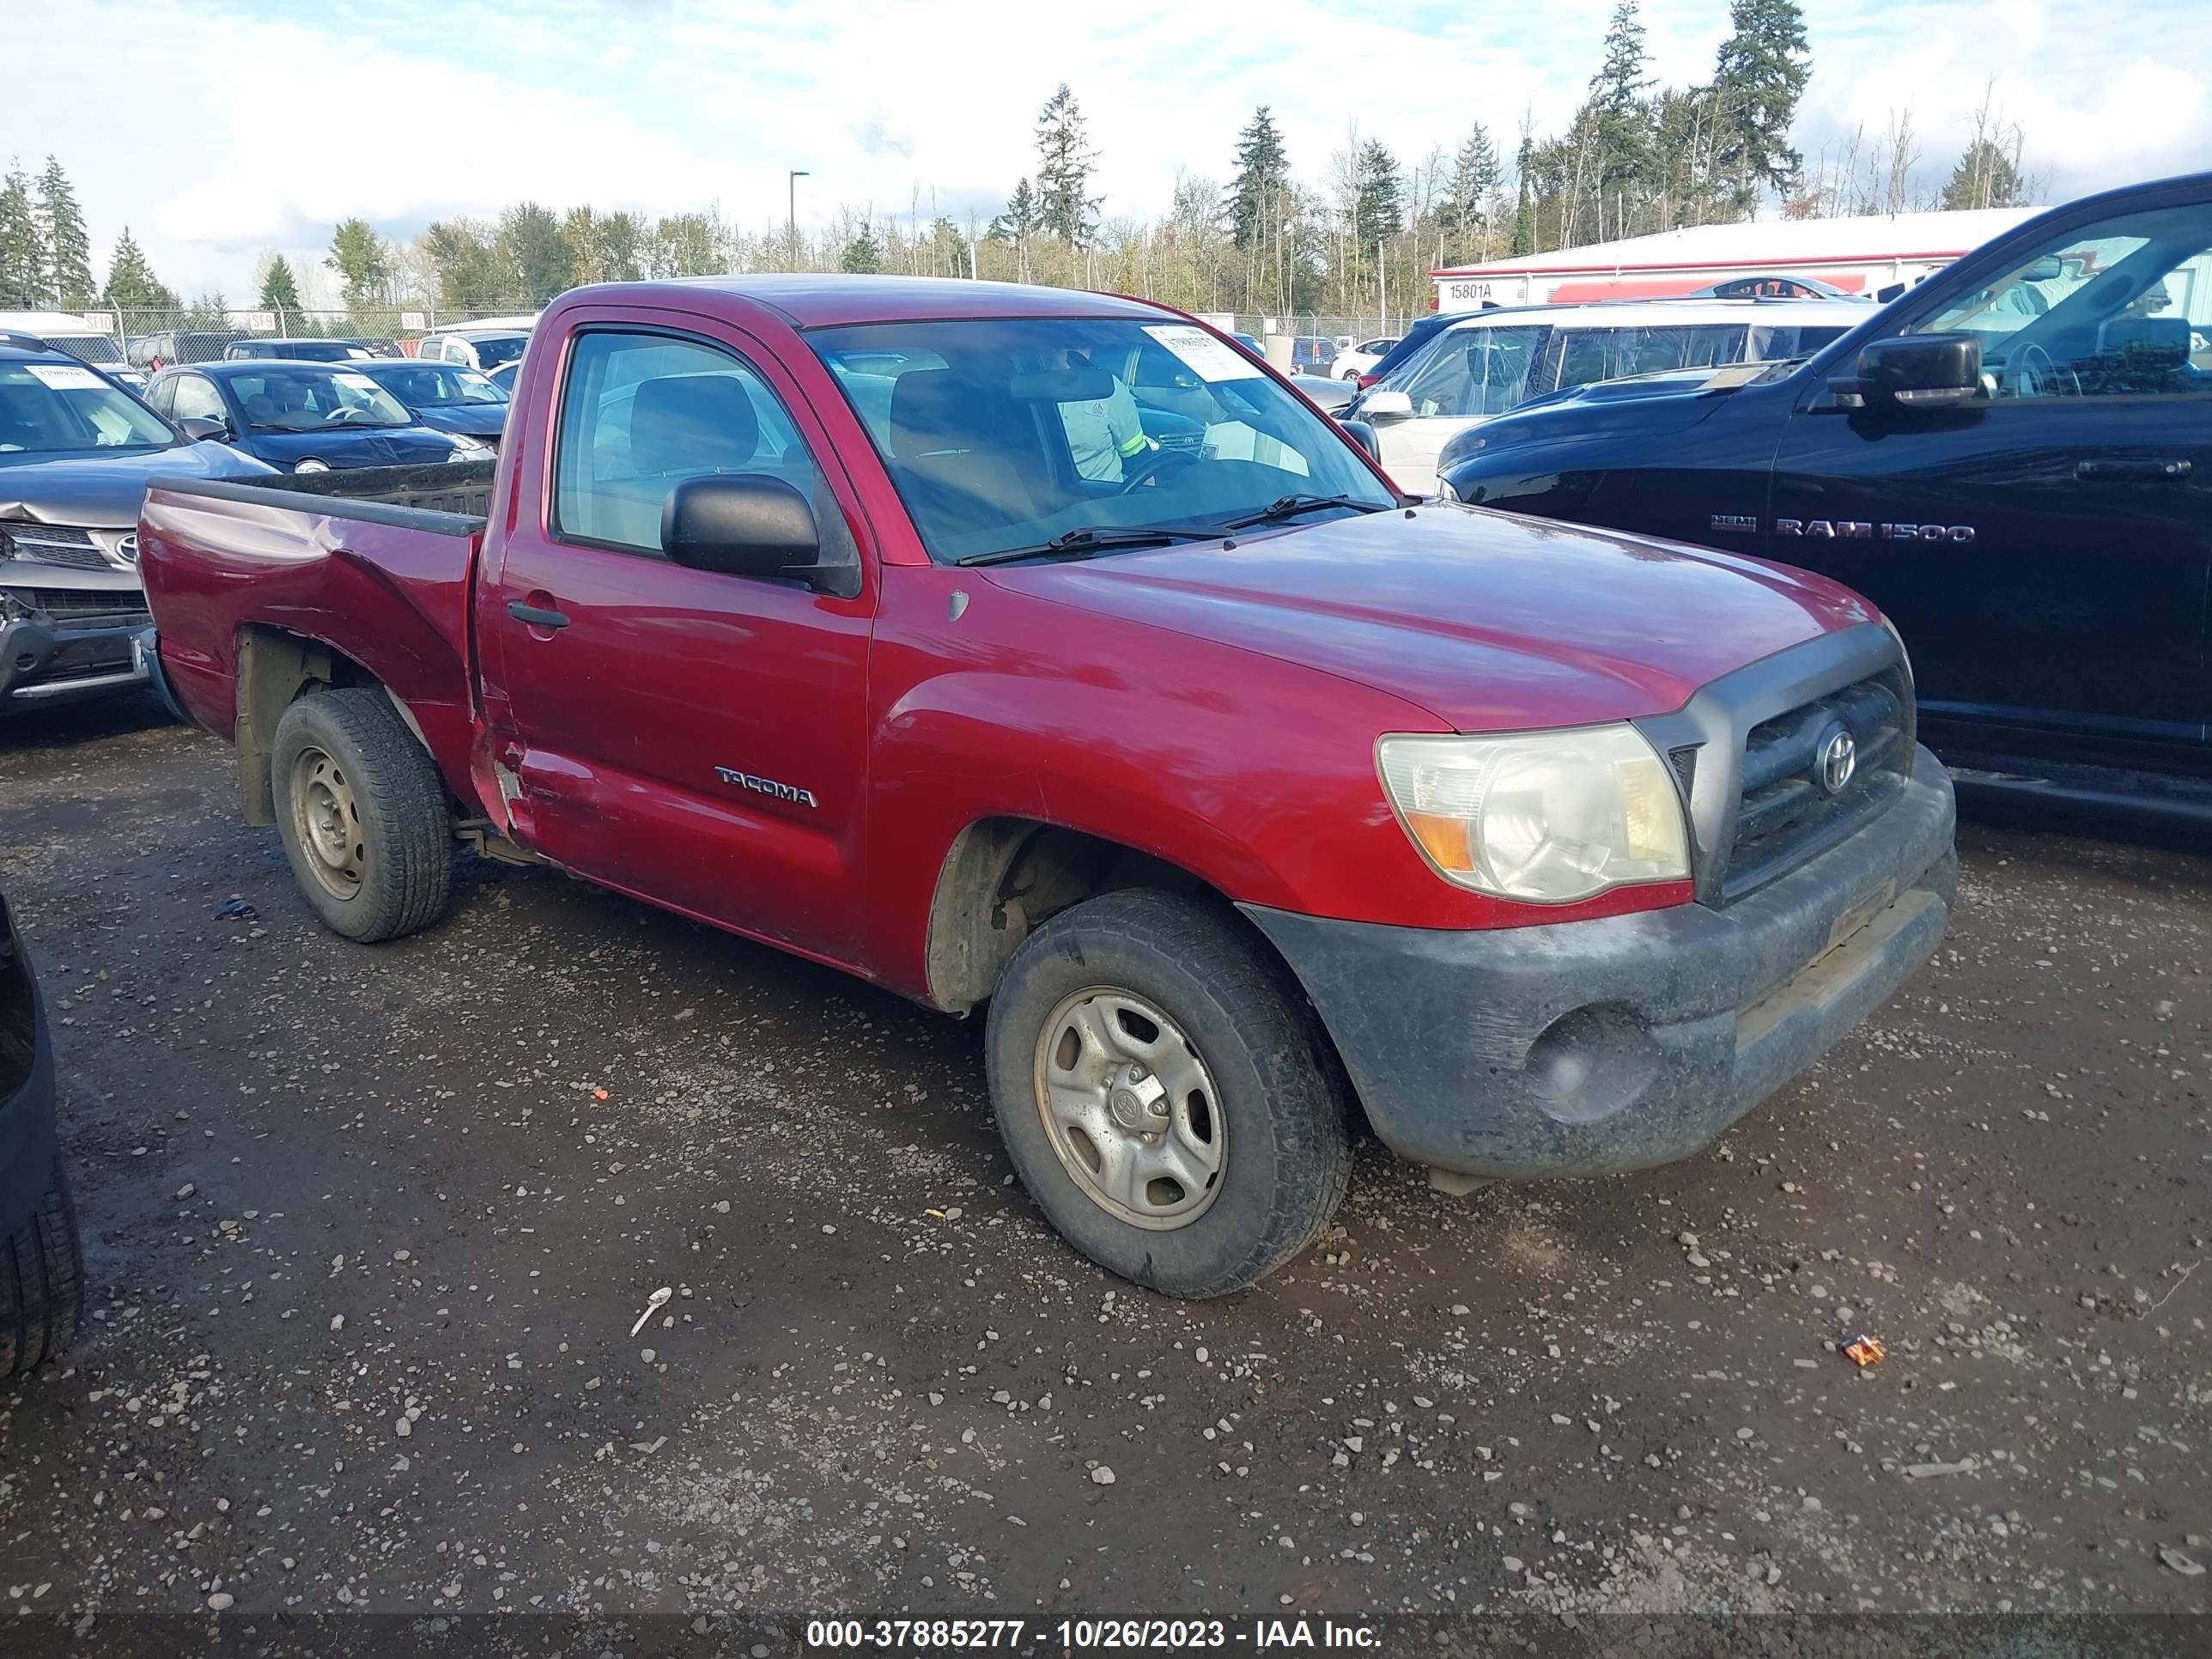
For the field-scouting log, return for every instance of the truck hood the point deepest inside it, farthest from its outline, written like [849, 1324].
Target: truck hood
[1491, 621]
[95, 491]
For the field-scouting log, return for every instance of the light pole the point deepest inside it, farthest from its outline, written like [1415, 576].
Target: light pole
[791, 212]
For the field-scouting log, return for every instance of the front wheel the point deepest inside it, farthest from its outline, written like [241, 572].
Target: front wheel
[1167, 1094]
[41, 1283]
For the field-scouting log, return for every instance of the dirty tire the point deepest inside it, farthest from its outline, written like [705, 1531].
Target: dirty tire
[406, 873]
[41, 1283]
[1281, 1089]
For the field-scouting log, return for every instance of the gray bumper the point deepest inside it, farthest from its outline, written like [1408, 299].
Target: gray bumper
[45, 661]
[1589, 1047]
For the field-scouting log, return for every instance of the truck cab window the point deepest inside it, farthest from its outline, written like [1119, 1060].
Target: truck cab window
[2115, 309]
[642, 412]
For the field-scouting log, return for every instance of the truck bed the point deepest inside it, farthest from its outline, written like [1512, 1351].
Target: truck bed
[374, 566]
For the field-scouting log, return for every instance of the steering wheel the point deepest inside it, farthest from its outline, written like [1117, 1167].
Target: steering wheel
[2032, 379]
[1153, 463]
[342, 415]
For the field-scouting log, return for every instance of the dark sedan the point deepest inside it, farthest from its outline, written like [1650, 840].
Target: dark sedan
[304, 417]
[444, 395]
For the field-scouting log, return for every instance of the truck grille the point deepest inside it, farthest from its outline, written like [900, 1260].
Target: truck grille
[55, 545]
[1789, 812]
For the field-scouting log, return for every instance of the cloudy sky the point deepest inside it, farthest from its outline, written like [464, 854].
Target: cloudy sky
[217, 128]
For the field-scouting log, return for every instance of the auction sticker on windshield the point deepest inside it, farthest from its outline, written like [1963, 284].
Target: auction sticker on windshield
[356, 378]
[65, 377]
[1208, 356]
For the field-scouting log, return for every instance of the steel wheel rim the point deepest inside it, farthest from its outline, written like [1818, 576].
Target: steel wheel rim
[1130, 1108]
[326, 823]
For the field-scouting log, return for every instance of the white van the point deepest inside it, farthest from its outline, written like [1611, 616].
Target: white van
[88, 339]
[1494, 360]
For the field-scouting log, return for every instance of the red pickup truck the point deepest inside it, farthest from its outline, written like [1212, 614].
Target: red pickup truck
[1044, 651]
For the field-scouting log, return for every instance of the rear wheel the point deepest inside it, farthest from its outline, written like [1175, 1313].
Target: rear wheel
[1166, 1093]
[362, 813]
[41, 1283]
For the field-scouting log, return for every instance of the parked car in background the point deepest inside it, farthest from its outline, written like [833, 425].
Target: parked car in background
[306, 417]
[443, 395]
[1775, 287]
[88, 342]
[478, 345]
[503, 376]
[1418, 333]
[1352, 360]
[1248, 798]
[76, 451]
[1329, 395]
[41, 1261]
[155, 352]
[1478, 367]
[312, 350]
[2014, 460]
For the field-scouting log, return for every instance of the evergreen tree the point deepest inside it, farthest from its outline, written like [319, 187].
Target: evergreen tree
[279, 290]
[363, 262]
[685, 245]
[1474, 180]
[532, 258]
[1381, 211]
[1986, 177]
[67, 246]
[1524, 207]
[1262, 185]
[864, 254]
[1621, 127]
[621, 240]
[132, 284]
[1024, 218]
[1758, 79]
[209, 313]
[22, 250]
[1067, 209]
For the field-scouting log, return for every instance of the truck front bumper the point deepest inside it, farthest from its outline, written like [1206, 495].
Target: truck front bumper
[47, 660]
[1590, 1047]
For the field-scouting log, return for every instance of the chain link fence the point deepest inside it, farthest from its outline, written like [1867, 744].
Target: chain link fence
[193, 334]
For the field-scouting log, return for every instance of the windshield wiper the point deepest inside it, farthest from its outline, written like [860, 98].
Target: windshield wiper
[1289, 506]
[1085, 538]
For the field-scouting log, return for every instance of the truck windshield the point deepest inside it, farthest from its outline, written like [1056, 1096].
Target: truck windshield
[1003, 434]
[308, 398]
[50, 407]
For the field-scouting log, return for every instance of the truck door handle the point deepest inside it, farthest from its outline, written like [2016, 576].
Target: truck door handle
[2138, 472]
[536, 615]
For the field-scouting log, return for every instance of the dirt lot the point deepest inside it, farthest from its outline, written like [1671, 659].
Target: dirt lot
[369, 1228]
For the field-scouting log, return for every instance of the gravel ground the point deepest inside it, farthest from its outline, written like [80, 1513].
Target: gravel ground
[369, 1228]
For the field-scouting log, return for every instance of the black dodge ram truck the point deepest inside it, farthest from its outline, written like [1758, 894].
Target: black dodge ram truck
[2014, 460]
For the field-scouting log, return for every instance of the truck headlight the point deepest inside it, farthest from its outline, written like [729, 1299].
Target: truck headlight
[1546, 817]
[466, 448]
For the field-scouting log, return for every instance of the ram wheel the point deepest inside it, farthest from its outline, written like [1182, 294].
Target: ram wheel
[363, 815]
[1166, 1093]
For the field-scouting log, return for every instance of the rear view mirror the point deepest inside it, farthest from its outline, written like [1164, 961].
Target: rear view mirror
[1363, 435]
[2049, 268]
[747, 525]
[1916, 371]
[1386, 405]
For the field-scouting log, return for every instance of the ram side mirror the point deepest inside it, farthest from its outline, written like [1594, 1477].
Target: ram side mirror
[200, 429]
[1914, 370]
[1386, 405]
[747, 524]
[1363, 435]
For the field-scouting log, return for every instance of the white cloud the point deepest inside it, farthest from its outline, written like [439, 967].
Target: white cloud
[231, 132]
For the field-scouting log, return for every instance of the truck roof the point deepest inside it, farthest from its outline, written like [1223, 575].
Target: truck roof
[808, 300]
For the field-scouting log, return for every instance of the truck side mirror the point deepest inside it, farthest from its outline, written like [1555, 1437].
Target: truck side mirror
[750, 525]
[1386, 405]
[1363, 435]
[1914, 370]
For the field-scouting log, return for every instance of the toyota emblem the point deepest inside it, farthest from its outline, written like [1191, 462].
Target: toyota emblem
[1835, 760]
